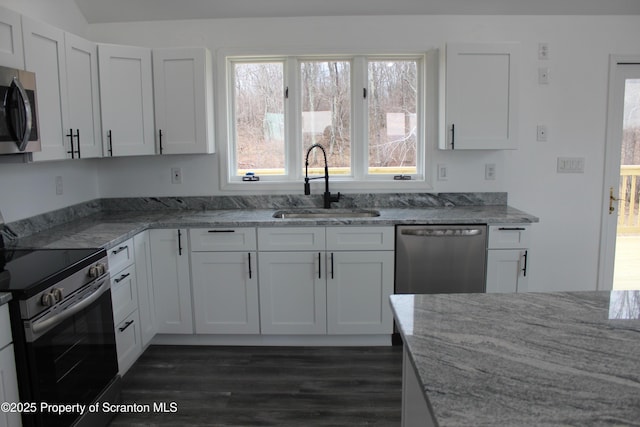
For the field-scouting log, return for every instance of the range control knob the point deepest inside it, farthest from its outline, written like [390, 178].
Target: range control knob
[97, 270]
[101, 268]
[57, 294]
[93, 272]
[47, 299]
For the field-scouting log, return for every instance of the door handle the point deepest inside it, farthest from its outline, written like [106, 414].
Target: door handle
[612, 199]
[28, 120]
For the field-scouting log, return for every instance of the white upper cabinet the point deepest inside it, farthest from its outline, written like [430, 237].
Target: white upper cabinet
[84, 97]
[183, 89]
[44, 55]
[11, 53]
[481, 96]
[126, 99]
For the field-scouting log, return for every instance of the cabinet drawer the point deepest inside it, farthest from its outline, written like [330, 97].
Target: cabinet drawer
[5, 327]
[291, 239]
[128, 345]
[124, 293]
[360, 238]
[223, 239]
[511, 236]
[120, 256]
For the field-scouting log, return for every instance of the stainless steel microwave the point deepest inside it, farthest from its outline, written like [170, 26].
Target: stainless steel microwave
[18, 112]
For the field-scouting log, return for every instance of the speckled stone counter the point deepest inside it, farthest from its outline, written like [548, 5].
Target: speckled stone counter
[5, 297]
[106, 229]
[526, 359]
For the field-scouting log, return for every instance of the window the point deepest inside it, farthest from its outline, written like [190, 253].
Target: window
[365, 111]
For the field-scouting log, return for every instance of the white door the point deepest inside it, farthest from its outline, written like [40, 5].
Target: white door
[225, 292]
[171, 284]
[620, 235]
[126, 100]
[84, 97]
[293, 293]
[44, 55]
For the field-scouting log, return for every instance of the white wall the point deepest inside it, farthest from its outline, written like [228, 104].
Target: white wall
[29, 189]
[573, 106]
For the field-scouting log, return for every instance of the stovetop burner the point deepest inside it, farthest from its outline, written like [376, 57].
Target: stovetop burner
[25, 272]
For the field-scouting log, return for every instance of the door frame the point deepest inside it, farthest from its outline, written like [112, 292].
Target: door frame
[611, 178]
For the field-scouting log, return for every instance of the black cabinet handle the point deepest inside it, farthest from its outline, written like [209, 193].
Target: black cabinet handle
[126, 325]
[511, 228]
[179, 243]
[110, 149]
[78, 141]
[72, 152]
[250, 272]
[331, 265]
[221, 231]
[120, 249]
[160, 137]
[121, 278]
[453, 136]
[319, 266]
[524, 270]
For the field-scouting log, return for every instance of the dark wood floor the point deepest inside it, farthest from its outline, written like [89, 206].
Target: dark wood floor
[266, 386]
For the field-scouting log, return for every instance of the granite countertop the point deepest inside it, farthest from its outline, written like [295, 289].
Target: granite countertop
[5, 297]
[107, 229]
[568, 358]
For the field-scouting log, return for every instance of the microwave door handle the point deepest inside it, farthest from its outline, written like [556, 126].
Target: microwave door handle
[24, 139]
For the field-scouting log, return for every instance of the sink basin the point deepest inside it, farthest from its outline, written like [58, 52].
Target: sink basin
[325, 213]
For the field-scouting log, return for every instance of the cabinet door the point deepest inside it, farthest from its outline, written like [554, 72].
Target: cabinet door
[8, 386]
[481, 96]
[183, 89]
[146, 300]
[11, 53]
[358, 289]
[292, 293]
[84, 98]
[128, 345]
[44, 55]
[171, 283]
[225, 292]
[507, 270]
[126, 100]
[124, 293]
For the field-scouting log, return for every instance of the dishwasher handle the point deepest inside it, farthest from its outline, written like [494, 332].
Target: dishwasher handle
[442, 232]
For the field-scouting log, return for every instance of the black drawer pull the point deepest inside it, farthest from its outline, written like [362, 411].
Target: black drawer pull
[121, 278]
[512, 229]
[126, 325]
[222, 231]
[117, 251]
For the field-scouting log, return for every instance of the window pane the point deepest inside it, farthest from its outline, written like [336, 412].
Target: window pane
[326, 114]
[392, 100]
[259, 118]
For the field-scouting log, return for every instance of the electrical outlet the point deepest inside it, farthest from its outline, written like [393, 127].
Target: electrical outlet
[543, 51]
[59, 188]
[541, 133]
[543, 75]
[443, 173]
[570, 164]
[176, 175]
[490, 172]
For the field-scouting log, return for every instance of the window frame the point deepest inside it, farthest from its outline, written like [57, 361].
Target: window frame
[359, 179]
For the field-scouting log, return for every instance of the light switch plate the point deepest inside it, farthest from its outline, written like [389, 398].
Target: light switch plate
[443, 172]
[570, 164]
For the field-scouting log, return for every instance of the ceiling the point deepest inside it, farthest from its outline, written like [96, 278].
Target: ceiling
[156, 10]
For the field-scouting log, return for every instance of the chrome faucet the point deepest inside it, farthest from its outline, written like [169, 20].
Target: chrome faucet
[328, 198]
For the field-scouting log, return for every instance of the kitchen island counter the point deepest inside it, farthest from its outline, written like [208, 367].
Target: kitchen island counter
[524, 359]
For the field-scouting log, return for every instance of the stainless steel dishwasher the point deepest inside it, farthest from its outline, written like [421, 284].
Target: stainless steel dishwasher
[440, 259]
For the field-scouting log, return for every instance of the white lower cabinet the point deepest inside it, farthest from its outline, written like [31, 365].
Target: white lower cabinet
[128, 341]
[507, 258]
[225, 292]
[8, 376]
[146, 307]
[358, 288]
[293, 295]
[171, 281]
[335, 280]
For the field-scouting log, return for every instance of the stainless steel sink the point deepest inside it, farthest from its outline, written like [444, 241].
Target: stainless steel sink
[325, 213]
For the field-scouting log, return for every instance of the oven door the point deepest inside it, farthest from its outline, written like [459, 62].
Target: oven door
[72, 360]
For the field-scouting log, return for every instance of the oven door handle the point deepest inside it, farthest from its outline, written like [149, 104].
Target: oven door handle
[40, 327]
